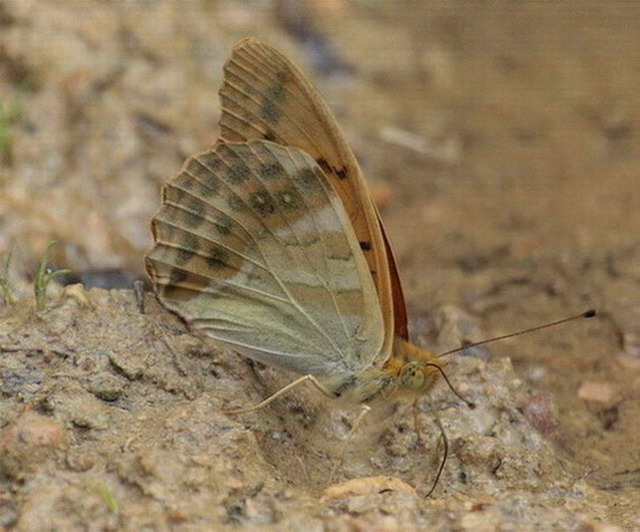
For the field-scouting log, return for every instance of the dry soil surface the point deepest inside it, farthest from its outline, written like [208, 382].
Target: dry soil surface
[502, 140]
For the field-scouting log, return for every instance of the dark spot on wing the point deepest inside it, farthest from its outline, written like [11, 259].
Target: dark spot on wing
[194, 215]
[223, 225]
[262, 203]
[270, 112]
[238, 174]
[326, 167]
[200, 176]
[188, 247]
[178, 276]
[365, 245]
[186, 181]
[235, 203]
[276, 92]
[206, 162]
[288, 199]
[217, 257]
[269, 171]
[270, 135]
[209, 188]
[340, 173]
[183, 285]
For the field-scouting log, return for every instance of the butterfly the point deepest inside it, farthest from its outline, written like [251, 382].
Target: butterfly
[270, 243]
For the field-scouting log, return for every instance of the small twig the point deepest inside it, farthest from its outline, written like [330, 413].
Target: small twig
[138, 290]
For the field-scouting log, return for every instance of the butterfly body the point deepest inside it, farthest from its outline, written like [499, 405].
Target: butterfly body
[270, 243]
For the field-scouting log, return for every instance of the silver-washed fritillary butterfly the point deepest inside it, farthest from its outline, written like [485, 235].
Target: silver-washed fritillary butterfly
[270, 242]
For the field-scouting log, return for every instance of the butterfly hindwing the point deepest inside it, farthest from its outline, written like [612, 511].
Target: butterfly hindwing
[254, 248]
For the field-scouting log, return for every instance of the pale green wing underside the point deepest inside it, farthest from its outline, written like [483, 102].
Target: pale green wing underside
[255, 248]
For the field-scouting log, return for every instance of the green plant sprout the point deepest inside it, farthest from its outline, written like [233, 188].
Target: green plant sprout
[10, 115]
[106, 494]
[7, 293]
[108, 497]
[44, 277]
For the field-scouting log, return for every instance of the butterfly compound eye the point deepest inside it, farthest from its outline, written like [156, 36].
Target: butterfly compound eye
[413, 376]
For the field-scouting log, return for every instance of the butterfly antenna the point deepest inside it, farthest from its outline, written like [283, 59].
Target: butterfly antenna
[445, 454]
[446, 379]
[587, 314]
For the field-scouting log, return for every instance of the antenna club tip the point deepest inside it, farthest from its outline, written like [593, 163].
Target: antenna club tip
[589, 313]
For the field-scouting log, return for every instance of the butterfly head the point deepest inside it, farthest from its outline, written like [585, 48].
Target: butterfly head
[415, 369]
[418, 376]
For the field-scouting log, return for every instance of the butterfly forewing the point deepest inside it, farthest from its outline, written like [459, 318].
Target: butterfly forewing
[264, 96]
[255, 248]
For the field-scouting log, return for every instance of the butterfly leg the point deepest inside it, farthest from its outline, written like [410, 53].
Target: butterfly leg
[343, 448]
[306, 378]
[417, 424]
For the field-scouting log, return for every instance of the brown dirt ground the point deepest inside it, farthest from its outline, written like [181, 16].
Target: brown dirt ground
[504, 137]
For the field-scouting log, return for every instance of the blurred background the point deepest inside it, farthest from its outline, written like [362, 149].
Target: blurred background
[500, 139]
